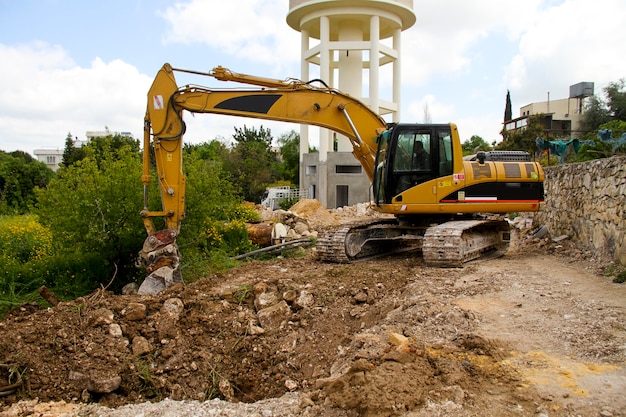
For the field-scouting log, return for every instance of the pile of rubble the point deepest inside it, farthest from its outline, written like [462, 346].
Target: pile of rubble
[305, 219]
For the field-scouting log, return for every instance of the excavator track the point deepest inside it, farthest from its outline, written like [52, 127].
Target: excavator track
[453, 243]
[449, 244]
[366, 240]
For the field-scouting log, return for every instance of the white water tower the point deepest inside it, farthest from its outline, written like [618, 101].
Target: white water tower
[343, 38]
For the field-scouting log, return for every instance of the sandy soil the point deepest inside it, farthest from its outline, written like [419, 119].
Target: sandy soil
[538, 332]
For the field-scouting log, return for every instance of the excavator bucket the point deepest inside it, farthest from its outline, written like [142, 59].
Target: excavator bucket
[161, 258]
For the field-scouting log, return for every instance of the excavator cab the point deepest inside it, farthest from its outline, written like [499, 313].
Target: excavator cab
[409, 155]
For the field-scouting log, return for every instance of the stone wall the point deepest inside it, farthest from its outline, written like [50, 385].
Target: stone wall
[587, 202]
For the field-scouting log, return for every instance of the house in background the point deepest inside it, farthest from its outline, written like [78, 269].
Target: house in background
[560, 117]
[52, 157]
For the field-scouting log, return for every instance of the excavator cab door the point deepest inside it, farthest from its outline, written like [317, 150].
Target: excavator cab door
[409, 155]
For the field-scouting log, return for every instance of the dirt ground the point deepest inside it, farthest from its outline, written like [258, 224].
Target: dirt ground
[537, 332]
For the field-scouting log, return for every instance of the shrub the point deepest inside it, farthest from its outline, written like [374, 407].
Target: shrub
[92, 207]
[68, 276]
[287, 203]
[23, 238]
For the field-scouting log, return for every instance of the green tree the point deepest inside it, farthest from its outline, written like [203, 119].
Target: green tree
[594, 115]
[211, 202]
[20, 173]
[245, 134]
[101, 147]
[599, 111]
[524, 139]
[71, 153]
[475, 144]
[251, 163]
[508, 112]
[214, 150]
[109, 147]
[92, 207]
[616, 99]
[210, 195]
[617, 127]
[289, 166]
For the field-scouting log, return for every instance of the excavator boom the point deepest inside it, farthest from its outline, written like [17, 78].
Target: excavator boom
[287, 101]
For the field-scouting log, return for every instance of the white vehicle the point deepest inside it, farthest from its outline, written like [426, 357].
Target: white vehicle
[274, 195]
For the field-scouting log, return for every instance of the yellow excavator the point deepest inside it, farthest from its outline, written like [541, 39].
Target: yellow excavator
[443, 204]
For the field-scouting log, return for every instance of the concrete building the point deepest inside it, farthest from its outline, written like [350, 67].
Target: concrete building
[343, 39]
[52, 157]
[560, 117]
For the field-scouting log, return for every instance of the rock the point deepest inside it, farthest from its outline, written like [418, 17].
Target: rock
[291, 385]
[101, 384]
[79, 379]
[316, 215]
[264, 300]
[586, 201]
[301, 228]
[172, 307]
[135, 311]
[140, 346]
[105, 384]
[99, 317]
[290, 296]
[305, 299]
[253, 329]
[260, 287]
[398, 339]
[130, 289]
[168, 317]
[272, 317]
[115, 330]
[360, 297]
[621, 254]
[226, 389]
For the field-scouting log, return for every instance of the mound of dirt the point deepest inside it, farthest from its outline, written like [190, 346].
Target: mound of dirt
[527, 334]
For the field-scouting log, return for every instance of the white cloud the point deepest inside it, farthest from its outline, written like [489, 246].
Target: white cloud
[572, 42]
[45, 96]
[445, 31]
[439, 112]
[247, 29]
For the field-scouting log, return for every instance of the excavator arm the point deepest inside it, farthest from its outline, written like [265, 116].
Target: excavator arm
[287, 101]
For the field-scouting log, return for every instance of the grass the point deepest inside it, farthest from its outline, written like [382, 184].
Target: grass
[618, 274]
[149, 384]
[242, 293]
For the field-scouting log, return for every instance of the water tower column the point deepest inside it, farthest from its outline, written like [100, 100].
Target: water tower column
[397, 88]
[374, 68]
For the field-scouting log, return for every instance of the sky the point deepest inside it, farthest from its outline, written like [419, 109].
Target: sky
[72, 66]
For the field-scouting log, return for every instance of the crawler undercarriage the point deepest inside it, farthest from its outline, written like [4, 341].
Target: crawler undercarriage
[443, 244]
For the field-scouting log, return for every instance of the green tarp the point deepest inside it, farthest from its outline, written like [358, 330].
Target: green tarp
[559, 147]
